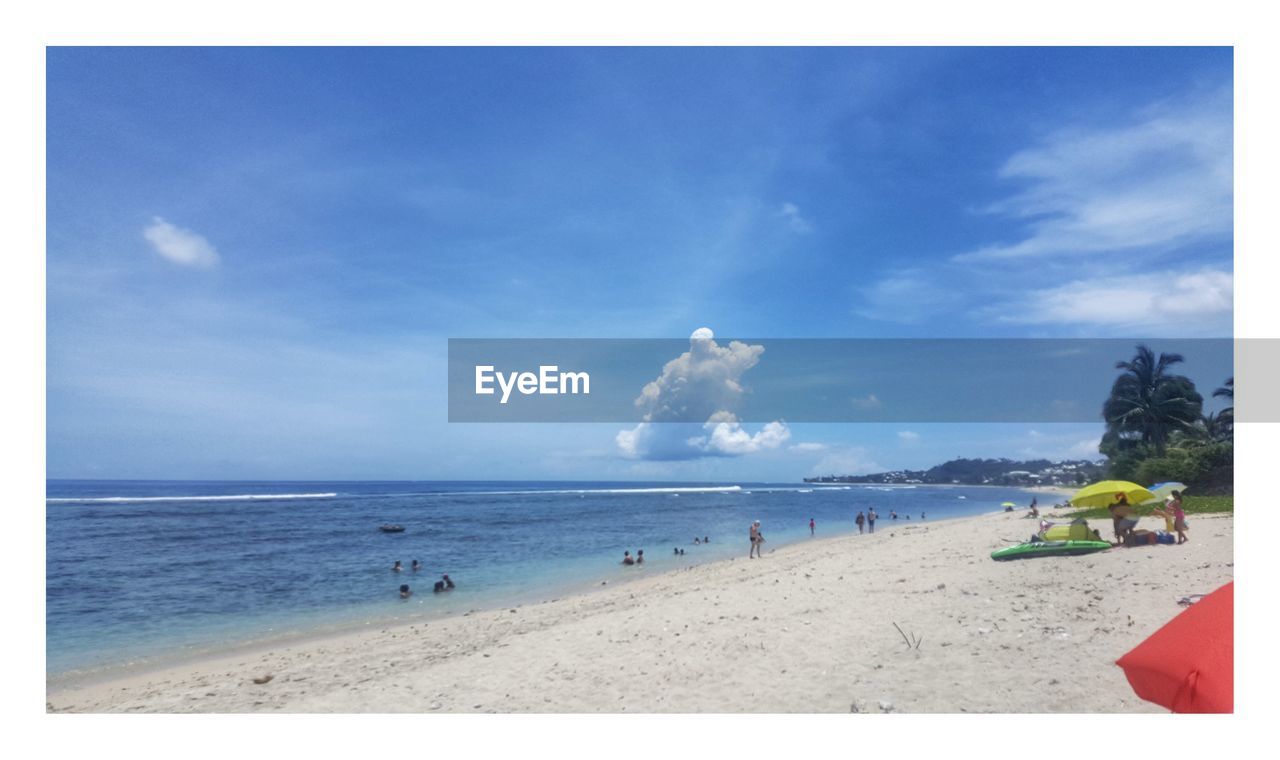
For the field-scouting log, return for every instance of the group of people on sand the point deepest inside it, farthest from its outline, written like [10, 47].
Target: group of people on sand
[1124, 521]
[444, 584]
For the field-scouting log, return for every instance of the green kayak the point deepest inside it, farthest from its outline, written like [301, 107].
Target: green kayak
[1049, 549]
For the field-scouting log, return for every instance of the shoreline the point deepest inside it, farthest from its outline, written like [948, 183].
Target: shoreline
[349, 625]
[343, 621]
[805, 629]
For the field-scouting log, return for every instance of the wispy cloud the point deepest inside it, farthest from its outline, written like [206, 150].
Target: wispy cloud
[1115, 226]
[908, 296]
[795, 220]
[846, 460]
[808, 446]
[1201, 298]
[1162, 180]
[181, 246]
[908, 436]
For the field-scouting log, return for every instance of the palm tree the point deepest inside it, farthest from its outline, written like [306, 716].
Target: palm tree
[1227, 417]
[1147, 403]
[1228, 390]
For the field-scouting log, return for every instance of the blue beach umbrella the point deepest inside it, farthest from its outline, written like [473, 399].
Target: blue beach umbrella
[1161, 490]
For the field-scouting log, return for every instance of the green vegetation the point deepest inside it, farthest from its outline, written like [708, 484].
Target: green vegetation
[1191, 505]
[1157, 432]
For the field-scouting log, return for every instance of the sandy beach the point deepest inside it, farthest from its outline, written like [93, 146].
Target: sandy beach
[807, 628]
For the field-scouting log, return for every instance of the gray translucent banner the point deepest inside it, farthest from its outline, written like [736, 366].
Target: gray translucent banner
[706, 379]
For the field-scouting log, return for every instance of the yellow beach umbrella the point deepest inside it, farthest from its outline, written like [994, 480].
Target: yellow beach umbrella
[1008, 504]
[1104, 494]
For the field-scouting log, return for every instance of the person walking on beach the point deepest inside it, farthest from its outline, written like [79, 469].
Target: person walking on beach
[871, 520]
[812, 525]
[860, 520]
[756, 540]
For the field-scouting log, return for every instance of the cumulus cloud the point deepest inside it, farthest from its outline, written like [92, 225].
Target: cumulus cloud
[675, 441]
[702, 383]
[688, 411]
[180, 246]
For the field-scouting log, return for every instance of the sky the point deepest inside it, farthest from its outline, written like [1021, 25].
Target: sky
[255, 257]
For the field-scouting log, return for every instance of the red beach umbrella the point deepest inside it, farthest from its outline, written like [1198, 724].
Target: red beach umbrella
[1188, 665]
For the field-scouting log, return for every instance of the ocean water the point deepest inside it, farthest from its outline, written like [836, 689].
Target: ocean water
[140, 571]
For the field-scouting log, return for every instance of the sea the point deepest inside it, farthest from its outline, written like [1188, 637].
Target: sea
[152, 572]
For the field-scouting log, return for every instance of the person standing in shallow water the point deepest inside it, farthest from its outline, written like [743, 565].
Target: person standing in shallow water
[756, 540]
[812, 526]
[861, 520]
[871, 520]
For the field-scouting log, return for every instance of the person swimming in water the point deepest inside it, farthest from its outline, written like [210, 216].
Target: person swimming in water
[639, 556]
[405, 592]
[444, 584]
[396, 567]
[416, 566]
[627, 559]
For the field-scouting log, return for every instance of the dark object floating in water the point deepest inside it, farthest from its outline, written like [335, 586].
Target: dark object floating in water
[391, 528]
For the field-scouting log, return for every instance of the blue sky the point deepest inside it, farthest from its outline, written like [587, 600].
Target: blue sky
[255, 256]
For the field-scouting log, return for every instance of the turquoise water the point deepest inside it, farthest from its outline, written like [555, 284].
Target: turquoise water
[139, 570]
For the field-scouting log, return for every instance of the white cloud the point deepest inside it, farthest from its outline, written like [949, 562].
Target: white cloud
[1142, 205]
[1161, 181]
[908, 436]
[908, 296]
[688, 411]
[704, 381]
[806, 446]
[680, 441]
[798, 224]
[869, 401]
[181, 246]
[1201, 297]
[851, 460]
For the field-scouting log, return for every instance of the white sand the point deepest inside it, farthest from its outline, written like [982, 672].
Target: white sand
[808, 628]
